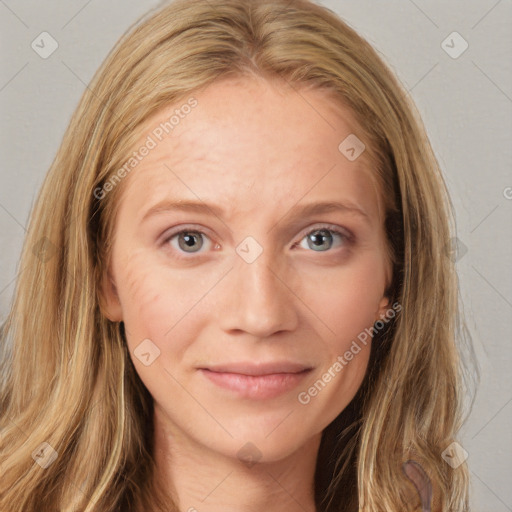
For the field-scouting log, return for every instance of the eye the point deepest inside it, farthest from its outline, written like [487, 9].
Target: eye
[188, 240]
[321, 239]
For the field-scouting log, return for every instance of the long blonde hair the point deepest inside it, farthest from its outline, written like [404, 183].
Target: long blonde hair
[68, 379]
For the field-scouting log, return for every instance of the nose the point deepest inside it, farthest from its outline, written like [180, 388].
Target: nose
[258, 298]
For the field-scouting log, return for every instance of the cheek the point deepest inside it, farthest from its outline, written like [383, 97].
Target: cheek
[347, 303]
[347, 310]
[159, 307]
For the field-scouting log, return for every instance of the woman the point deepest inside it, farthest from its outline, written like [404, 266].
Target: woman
[254, 372]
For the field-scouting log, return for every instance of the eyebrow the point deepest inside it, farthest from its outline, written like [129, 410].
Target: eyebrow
[307, 210]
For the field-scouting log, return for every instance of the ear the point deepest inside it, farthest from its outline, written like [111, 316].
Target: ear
[383, 307]
[110, 305]
[385, 301]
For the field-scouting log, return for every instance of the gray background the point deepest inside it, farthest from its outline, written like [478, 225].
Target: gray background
[466, 104]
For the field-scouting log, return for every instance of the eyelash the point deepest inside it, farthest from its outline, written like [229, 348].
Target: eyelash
[345, 236]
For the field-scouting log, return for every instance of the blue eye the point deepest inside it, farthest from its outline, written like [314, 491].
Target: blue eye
[321, 239]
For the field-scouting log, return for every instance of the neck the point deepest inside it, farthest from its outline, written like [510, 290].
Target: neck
[204, 480]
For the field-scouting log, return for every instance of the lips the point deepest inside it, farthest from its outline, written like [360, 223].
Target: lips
[261, 369]
[256, 381]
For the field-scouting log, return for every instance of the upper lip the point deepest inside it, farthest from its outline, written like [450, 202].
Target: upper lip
[260, 369]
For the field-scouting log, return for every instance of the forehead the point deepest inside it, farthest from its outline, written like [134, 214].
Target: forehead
[250, 140]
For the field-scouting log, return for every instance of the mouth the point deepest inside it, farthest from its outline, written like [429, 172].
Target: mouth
[263, 381]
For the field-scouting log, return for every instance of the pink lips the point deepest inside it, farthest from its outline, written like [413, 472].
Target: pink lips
[262, 381]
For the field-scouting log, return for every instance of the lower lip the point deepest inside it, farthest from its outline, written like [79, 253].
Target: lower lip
[256, 386]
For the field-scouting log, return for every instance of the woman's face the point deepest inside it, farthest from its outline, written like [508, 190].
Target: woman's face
[236, 326]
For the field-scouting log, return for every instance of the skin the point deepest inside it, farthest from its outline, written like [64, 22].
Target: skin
[257, 149]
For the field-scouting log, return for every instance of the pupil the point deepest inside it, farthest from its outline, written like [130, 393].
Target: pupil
[189, 240]
[317, 237]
